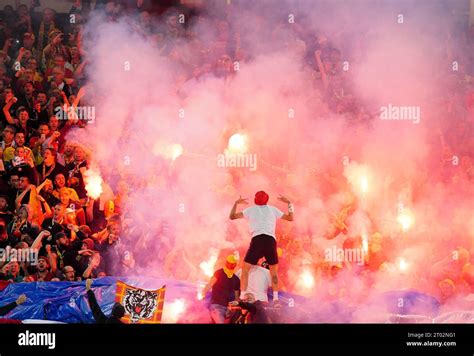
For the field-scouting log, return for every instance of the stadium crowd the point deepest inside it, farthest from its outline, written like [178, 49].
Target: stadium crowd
[44, 203]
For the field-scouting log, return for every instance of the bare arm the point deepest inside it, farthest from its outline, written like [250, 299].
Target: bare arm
[6, 111]
[324, 76]
[45, 205]
[28, 19]
[47, 50]
[66, 101]
[89, 214]
[88, 271]
[233, 213]
[209, 286]
[288, 216]
[20, 56]
[80, 68]
[80, 94]
[37, 243]
[80, 48]
[95, 260]
[33, 203]
[21, 196]
[50, 106]
[37, 146]
[7, 45]
[39, 187]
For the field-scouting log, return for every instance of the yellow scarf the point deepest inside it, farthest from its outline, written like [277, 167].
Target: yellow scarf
[228, 271]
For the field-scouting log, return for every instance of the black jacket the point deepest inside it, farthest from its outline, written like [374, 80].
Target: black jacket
[99, 316]
[7, 308]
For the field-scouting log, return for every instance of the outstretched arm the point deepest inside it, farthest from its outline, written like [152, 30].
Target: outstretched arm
[208, 287]
[233, 213]
[94, 263]
[39, 239]
[324, 76]
[99, 316]
[6, 111]
[9, 307]
[289, 215]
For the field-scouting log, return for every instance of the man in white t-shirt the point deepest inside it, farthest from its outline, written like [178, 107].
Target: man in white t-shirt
[262, 221]
[259, 281]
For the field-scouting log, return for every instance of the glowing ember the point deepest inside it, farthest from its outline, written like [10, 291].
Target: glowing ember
[237, 143]
[307, 279]
[208, 266]
[364, 184]
[360, 177]
[93, 184]
[402, 265]
[365, 242]
[405, 219]
[176, 309]
[176, 151]
[167, 150]
[236, 255]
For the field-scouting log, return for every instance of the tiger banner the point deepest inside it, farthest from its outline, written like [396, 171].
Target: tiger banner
[141, 306]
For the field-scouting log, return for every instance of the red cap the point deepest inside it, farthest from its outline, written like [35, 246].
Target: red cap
[261, 198]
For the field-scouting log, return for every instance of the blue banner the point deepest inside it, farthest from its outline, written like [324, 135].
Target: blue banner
[67, 302]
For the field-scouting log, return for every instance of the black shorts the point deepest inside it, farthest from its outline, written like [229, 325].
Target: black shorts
[262, 246]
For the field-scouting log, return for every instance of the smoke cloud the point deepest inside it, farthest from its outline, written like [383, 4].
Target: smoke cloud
[402, 195]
